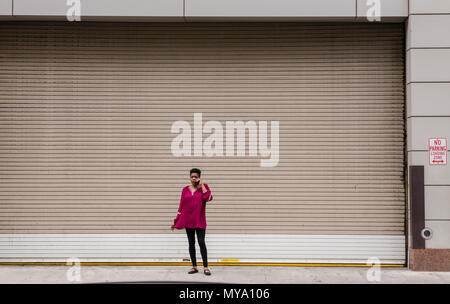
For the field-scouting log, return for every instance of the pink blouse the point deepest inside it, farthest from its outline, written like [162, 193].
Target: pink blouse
[191, 213]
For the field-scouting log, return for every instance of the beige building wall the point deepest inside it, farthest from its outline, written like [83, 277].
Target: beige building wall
[427, 62]
[428, 107]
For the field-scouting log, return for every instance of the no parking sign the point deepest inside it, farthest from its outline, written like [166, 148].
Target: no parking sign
[437, 151]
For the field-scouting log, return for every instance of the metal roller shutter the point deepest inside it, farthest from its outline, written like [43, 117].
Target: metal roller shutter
[86, 163]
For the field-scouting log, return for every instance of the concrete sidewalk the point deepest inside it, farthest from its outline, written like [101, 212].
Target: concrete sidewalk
[220, 274]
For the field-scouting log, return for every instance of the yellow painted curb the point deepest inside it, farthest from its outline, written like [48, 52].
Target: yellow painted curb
[188, 263]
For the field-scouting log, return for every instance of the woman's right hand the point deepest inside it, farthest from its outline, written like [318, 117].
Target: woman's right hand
[172, 227]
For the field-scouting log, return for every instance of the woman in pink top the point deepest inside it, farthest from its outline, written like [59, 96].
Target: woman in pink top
[191, 216]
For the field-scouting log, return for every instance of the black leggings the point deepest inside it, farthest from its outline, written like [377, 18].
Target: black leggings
[201, 241]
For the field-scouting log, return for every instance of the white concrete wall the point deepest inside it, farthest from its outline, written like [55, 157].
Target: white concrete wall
[428, 99]
[5, 9]
[388, 8]
[207, 10]
[132, 9]
[429, 7]
[270, 8]
[428, 106]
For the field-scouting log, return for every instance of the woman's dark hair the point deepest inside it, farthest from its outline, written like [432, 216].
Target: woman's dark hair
[195, 170]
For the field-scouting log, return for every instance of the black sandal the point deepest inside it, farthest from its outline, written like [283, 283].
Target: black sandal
[207, 272]
[193, 271]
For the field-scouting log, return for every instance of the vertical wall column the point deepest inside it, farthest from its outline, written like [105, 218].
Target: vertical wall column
[428, 116]
[417, 199]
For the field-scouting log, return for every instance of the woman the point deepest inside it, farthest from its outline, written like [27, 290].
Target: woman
[191, 215]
